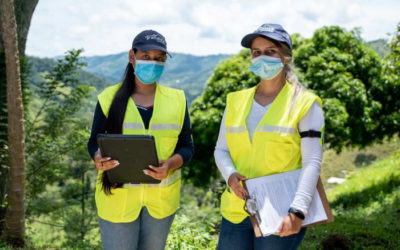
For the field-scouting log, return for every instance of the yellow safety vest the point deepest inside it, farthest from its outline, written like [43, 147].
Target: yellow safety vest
[276, 141]
[162, 199]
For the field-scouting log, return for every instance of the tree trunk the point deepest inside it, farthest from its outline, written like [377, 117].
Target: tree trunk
[23, 12]
[14, 230]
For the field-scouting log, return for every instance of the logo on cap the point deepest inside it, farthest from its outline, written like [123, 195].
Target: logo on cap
[266, 29]
[155, 37]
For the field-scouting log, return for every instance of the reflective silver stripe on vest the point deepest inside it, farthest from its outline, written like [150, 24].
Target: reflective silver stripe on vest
[168, 181]
[277, 129]
[132, 125]
[235, 129]
[165, 126]
[163, 183]
[131, 185]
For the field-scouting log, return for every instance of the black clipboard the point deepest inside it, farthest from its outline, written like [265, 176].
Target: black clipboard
[134, 153]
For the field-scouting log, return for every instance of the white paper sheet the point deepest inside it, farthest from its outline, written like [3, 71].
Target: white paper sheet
[274, 194]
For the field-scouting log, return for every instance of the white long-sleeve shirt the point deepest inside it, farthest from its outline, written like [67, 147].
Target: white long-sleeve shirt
[311, 151]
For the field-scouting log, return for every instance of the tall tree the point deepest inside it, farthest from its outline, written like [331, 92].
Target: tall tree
[391, 83]
[23, 12]
[56, 136]
[360, 105]
[15, 217]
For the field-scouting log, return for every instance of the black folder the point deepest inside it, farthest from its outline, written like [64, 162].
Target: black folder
[134, 153]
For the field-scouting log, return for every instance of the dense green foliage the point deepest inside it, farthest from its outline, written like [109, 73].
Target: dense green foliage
[360, 97]
[391, 85]
[349, 77]
[60, 98]
[42, 66]
[206, 113]
[196, 225]
[393, 57]
[60, 178]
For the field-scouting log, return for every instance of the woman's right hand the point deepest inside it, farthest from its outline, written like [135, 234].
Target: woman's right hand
[234, 183]
[104, 163]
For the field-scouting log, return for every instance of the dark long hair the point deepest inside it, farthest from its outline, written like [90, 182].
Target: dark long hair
[116, 116]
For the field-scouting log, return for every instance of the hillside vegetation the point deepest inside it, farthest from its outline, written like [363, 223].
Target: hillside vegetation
[366, 209]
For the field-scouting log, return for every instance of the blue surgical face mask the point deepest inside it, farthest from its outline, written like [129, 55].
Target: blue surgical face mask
[266, 67]
[149, 71]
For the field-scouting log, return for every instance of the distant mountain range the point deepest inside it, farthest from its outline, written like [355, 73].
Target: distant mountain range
[380, 46]
[183, 71]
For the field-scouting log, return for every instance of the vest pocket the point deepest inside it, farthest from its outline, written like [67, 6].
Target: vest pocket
[163, 201]
[112, 207]
[279, 156]
[232, 207]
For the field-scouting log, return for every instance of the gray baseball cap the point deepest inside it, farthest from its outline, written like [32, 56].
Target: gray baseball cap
[269, 30]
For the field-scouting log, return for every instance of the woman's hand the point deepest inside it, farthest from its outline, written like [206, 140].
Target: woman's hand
[234, 183]
[104, 163]
[161, 172]
[158, 173]
[291, 224]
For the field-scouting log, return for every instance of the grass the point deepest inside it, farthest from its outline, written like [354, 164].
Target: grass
[366, 208]
[340, 165]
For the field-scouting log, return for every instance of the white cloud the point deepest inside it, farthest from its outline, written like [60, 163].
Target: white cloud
[191, 26]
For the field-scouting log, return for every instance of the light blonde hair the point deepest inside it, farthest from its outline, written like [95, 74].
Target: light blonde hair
[288, 69]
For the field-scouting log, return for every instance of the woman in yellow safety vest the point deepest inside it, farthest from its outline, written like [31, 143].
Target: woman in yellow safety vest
[139, 216]
[271, 128]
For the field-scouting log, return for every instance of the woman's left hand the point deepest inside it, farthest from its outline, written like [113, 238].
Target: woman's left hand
[291, 224]
[160, 172]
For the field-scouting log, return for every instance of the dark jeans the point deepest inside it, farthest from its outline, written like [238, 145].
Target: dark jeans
[241, 237]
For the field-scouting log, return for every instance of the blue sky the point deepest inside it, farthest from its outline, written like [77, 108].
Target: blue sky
[199, 27]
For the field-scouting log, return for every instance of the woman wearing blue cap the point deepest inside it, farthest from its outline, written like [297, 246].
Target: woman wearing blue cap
[271, 128]
[139, 216]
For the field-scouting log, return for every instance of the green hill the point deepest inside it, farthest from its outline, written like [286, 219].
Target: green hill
[380, 46]
[38, 66]
[183, 71]
[366, 208]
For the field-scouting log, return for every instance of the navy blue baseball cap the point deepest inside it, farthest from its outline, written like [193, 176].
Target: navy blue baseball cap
[149, 40]
[269, 30]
